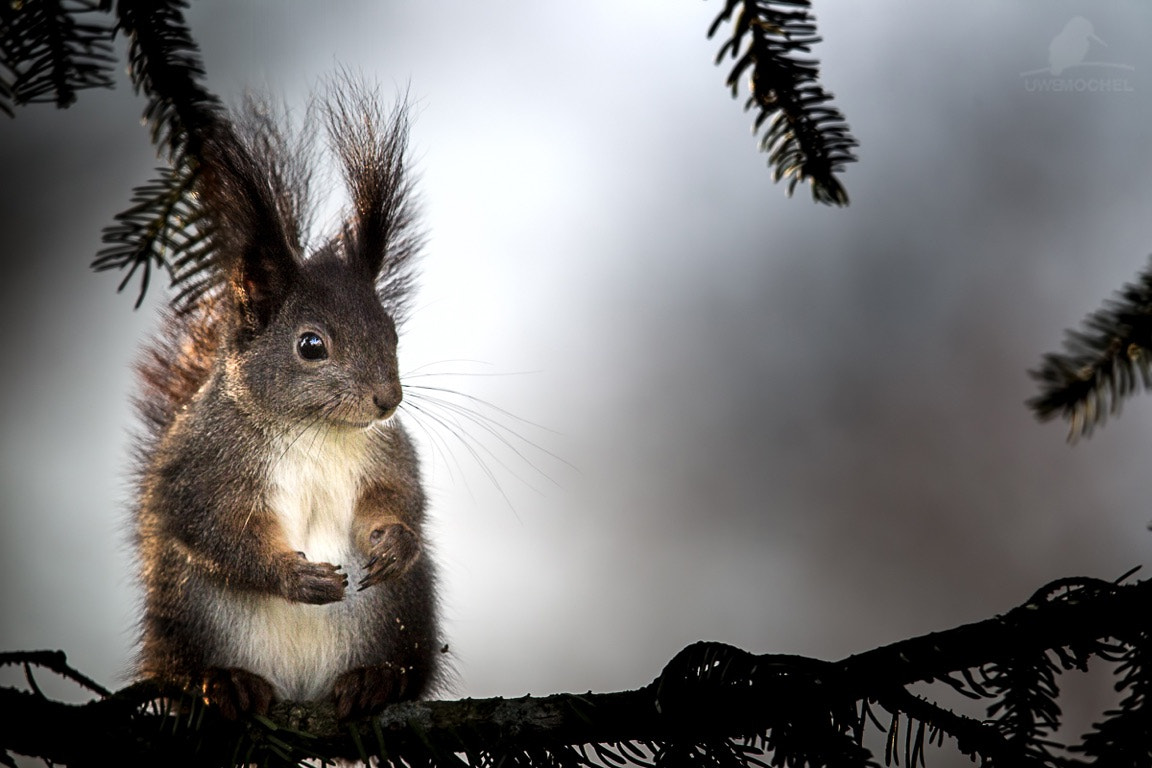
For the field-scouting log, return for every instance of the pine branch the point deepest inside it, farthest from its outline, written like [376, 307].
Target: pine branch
[808, 139]
[160, 230]
[164, 63]
[54, 661]
[973, 737]
[1101, 365]
[1026, 709]
[712, 704]
[1124, 738]
[7, 95]
[50, 49]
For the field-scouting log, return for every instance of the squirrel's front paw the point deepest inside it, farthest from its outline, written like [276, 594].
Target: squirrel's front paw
[313, 583]
[393, 550]
[237, 691]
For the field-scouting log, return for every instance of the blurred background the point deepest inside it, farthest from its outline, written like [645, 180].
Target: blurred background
[779, 425]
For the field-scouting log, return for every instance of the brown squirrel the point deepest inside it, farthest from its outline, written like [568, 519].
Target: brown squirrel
[280, 511]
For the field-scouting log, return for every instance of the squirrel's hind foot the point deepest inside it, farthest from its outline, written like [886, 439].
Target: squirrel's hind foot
[238, 692]
[366, 690]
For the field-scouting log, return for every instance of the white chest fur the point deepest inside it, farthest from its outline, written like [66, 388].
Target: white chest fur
[313, 487]
[299, 648]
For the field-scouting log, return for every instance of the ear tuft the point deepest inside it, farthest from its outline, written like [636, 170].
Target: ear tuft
[381, 233]
[254, 205]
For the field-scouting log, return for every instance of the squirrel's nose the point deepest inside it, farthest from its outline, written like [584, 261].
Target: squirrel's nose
[387, 400]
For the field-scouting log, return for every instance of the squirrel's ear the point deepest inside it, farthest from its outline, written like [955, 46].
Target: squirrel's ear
[381, 234]
[253, 241]
[260, 283]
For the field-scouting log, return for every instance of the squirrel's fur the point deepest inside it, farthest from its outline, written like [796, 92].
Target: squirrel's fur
[280, 515]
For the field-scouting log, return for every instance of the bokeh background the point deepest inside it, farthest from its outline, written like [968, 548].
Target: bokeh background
[784, 426]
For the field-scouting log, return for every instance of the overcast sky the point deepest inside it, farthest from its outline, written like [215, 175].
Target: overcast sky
[788, 427]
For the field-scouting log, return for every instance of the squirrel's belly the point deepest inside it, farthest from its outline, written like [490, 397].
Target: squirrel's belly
[301, 649]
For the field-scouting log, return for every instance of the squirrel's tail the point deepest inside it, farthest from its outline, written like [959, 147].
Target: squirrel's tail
[178, 362]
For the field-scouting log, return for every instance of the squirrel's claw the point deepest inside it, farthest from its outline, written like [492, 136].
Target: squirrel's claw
[394, 549]
[315, 583]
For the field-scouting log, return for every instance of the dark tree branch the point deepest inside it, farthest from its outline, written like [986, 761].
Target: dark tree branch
[1088, 611]
[711, 700]
[50, 49]
[159, 229]
[1107, 361]
[808, 139]
[1124, 737]
[973, 737]
[164, 63]
[54, 661]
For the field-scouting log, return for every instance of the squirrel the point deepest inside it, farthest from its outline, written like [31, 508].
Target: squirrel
[279, 517]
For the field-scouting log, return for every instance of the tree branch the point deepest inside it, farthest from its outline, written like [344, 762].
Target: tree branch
[808, 139]
[50, 49]
[711, 699]
[1101, 365]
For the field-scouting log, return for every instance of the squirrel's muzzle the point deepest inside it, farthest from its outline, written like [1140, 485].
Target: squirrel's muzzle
[387, 400]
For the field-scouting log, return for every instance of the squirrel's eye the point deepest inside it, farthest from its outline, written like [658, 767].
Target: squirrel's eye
[311, 347]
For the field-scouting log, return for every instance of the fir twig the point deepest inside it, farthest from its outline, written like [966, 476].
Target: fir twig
[164, 63]
[973, 737]
[1026, 709]
[1101, 365]
[159, 229]
[1124, 737]
[50, 49]
[808, 139]
[55, 661]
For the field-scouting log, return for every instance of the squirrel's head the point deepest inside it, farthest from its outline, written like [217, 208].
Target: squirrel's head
[311, 340]
[318, 348]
